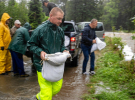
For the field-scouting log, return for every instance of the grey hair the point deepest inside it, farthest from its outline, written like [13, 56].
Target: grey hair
[93, 20]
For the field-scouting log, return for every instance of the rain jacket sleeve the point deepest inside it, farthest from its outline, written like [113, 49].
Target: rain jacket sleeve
[33, 43]
[26, 36]
[1, 36]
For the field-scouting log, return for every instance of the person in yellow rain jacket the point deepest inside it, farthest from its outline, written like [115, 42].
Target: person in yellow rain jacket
[5, 38]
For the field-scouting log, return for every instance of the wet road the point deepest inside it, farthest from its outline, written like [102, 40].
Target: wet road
[19, 88]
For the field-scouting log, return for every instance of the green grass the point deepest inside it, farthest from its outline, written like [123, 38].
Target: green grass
[114, 72]
[112, 96]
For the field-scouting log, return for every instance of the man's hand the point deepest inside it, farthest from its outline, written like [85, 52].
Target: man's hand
[2, 48]
[42, 55]
[66, 51]
[94, 41]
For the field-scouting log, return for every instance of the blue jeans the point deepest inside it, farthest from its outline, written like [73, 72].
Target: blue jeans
[18, 66]
[86, 52]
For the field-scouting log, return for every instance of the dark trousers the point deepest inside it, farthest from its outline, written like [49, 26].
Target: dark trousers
[86, 52]
[17, 62]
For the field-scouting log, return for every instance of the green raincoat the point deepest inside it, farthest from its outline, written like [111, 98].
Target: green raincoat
[48, 38]
[19, 41]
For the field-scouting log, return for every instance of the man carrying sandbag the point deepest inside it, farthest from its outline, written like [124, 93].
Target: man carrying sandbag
[88, 39]
[48, 38]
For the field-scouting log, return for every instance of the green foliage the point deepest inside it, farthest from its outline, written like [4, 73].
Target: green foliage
[110, 14]
[111, 66]
[113, 28]
[121, 28]
[75, 10]
[45, 18]
[112, 96]
[126, 11]
[2, 7]
[36, 16]
[133, 37]
[92, 90]
[133, 20]
[15, 10]
[118, 13]
[115, 42]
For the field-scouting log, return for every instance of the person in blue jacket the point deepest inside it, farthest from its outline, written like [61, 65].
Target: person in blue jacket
[88, 39]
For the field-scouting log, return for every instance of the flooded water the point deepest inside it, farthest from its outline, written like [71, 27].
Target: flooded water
[126, 38]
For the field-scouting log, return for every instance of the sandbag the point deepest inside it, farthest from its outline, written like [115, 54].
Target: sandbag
[53, 66]
[99, 45]
[67, 41]
[94, 47]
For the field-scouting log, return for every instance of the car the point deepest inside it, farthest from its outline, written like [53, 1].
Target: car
[72, 41]
[100, 31]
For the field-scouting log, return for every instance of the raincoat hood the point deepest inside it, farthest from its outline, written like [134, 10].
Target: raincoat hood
[27, 26]
[5, 17]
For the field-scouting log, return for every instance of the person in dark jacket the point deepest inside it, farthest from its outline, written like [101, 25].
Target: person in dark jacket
[49, 5]
[88, 38]
[47, 38]
[18, 48]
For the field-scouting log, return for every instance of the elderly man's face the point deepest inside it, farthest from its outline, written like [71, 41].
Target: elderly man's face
[56, 19]
[17, 25]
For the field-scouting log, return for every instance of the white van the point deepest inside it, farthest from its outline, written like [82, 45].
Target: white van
[100, 32]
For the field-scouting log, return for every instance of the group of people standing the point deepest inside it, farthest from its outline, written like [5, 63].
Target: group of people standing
[13, 44]
[47, 38]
